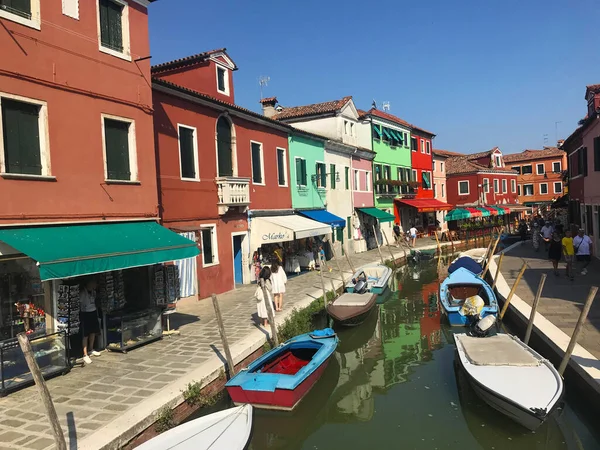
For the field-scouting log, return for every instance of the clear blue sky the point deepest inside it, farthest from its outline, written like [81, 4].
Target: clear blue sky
[478, 73]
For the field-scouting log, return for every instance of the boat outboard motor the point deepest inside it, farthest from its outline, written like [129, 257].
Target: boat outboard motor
[483, 327]
[360, 283]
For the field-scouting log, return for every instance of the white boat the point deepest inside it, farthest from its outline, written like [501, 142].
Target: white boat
[229, 429]
[511, 377]
[376, 277]
[478, 254]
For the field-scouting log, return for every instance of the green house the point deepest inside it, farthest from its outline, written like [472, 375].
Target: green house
[306, 151]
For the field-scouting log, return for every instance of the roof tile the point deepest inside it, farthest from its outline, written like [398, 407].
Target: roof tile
[311, 110]
[527, 155]
[192, 59]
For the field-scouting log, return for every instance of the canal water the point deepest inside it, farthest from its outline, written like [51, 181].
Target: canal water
[393, 384]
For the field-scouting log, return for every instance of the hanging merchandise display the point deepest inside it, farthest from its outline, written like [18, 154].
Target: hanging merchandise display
[111, 291]
[166, 285]
[68, 309]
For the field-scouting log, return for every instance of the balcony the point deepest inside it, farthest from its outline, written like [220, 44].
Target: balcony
[233, 192]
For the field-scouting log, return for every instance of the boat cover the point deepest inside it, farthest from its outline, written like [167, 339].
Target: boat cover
[468, 263]
[349, 299]
[499, 350]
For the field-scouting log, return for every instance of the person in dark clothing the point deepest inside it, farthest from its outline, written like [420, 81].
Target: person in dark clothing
[523, 230]
[555, 251]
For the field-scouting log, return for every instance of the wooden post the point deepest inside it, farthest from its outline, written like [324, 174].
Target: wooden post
[512, 291]
[578, 327]
[497, 270]
[270, 315]
[389, 248]
[439, 248]
[322, 280]
[490, 255]
[223, 336]
[536, 301]
[338, 265]
[452, 242]
[349, 261]
[378, 248]
[59, 437]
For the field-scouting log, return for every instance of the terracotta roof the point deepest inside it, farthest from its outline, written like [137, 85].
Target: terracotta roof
[268, 100]
[446, 153]
[188, 60]
[462, 164]
[482, 154]
[527, 155]
[312, 110]
[595, 88]
[414, 127]
[387, 116]
[361, 113]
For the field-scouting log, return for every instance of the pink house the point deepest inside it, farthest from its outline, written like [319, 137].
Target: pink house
[362, 189]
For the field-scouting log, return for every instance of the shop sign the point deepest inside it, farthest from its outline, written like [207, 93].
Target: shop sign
[278, 236]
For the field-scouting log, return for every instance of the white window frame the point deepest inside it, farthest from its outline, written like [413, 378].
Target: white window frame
[496, 186]
[468, 187]
[519, 189]
[415, 175]
[133, 162]
[346, 129]
[559, 166]
[368, 182]
[215, 244]
[262, 164]
[126, 53]
[498, 160]
[44, 138]
[423, 146]
[430, 178]
[428, 147]
[544, 193]
[486, 185]
[318, 178]
[295, 173]
[70, 8]
[356, 180]
[285, 175]
[554, 187]
[523, 167]
[225, 79]
[442, 167]
[513, 186]
[196, 165]
[504, 186]
[35, 21]
[532, 190]
[537, 169]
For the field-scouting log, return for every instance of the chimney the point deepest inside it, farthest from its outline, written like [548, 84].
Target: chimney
[268, 106]
[560, 143]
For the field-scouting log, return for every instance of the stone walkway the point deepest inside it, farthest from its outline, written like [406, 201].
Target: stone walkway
[562, 299]
[95, 403]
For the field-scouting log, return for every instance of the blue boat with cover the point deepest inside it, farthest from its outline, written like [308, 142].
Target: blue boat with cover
[282, 377]
[466, 298]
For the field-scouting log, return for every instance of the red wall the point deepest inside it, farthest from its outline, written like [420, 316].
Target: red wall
[62, 66]
[423, 161]
[474, 180]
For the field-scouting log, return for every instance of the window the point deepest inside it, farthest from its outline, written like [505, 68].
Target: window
[496, 186]
[356, 185]
[348, 229]
[413, 144]
[519, 189]
[321, 170]
[517, 168]
[226, 147]
[24, 146]
[347, 177]
[513, 186]
[441, 167]
[25, 12]
[113, 26]
[346, 127]
[428, 147]
[596, 154]
[504, 186]
[257, 163]
[425, 180]
[414, 175]
[528, 189]
[210, 254]
[486, 185]
[434, 166]
[332, 175]
[434, 190]
[281, 172]
[543, 188]
[188, 153]
[463, 187]
[556, 166]
[540, 169]
[583, 161]
[300, 171]
[222, 80]
[376, 132]
[527, 170]
[443, 195]
[498, 161]
[558, 187]
[422, 146]
[119, 149]
[351, 129]
[367, 181]
[70, 8]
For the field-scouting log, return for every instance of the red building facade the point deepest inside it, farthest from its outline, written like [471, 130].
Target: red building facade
[422, 161]
[216, 161]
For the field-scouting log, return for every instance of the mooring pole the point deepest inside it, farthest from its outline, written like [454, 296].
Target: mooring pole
[378, 248]
[270, 315]
[534, 307]
[439, 247]
[59, 437]
[497, 270]
[338, 263]
[389, 248]
[322, 280]
[349, 261]
[512, 291]
[223, 335]
[578, 328]
[490, 256]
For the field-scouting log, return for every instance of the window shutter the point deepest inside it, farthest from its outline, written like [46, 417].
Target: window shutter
[20, 122]
[584, 162]
[597, 154]
[256, 169]
[304, 174]
[186, 149]
[332, 175]
[340, 234]
[347, 177]
[281, 166]
[19, 7]
[299, 177]
[111, 34]
[348, 227]
[116, 136]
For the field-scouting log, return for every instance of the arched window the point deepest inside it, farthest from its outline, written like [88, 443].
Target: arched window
[224, 147]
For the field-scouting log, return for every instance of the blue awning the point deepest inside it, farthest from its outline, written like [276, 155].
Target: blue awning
[320, 215]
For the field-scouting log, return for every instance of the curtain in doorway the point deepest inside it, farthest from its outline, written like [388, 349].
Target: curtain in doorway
[187, 271]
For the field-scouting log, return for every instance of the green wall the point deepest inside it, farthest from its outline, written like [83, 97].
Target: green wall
[312, 150]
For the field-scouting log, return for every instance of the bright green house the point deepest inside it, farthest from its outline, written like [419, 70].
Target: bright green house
[305, 151]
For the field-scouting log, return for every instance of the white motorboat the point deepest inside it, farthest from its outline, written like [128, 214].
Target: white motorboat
[374, 278]
[229, 429]
[511, 377]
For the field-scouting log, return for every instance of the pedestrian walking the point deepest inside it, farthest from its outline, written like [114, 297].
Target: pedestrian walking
[88, 317]
[413, 235]
[583, 250]
[397, 233]
[547, 232]
[278, 281]
[261, 308]
[568, 252]
[555, 251]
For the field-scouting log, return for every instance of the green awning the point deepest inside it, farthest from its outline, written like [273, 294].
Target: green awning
[386, 133]
[379, 214]
[457, 214]
[377, 131]
[484, 212]
[72, 250]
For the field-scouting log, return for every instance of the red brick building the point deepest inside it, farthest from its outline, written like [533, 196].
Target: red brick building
[216, 161]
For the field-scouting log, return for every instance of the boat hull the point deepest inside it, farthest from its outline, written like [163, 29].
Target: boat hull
[378, 287]
[279, 399]
[456, 319]
[350, 316]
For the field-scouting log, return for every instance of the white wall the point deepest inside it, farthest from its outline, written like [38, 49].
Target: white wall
[364, 134]
[327, 127]
[339, 200]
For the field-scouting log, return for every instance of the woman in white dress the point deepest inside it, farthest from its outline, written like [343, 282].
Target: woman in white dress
[261, 308]
[278, 280]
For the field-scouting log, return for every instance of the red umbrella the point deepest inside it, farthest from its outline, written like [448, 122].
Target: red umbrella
[474, 212]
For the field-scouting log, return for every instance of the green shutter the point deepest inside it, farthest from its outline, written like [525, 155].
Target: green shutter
[348, 227]
[347, 177]
[332, 175]
[20, 122]
[186, 152]
[111, 34]
[116, 136]
[256, 166]
[207, 248]
[298, 165]
[340, 234]
[281, 166]
[304, 174]
[225, 160]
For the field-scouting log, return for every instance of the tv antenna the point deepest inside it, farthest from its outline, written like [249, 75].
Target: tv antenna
[545, 139]
[263, 81]
[385, 106]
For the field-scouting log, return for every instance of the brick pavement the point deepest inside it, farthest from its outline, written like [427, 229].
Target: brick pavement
[562, 299]
[91, 400]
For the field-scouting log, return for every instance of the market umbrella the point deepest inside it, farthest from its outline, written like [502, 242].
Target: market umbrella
[474, 212]
[493, 211]
[484, 211]
[500, 210]
[457, 214]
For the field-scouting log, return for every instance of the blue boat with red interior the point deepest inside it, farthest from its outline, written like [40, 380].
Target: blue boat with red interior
[283, 376]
